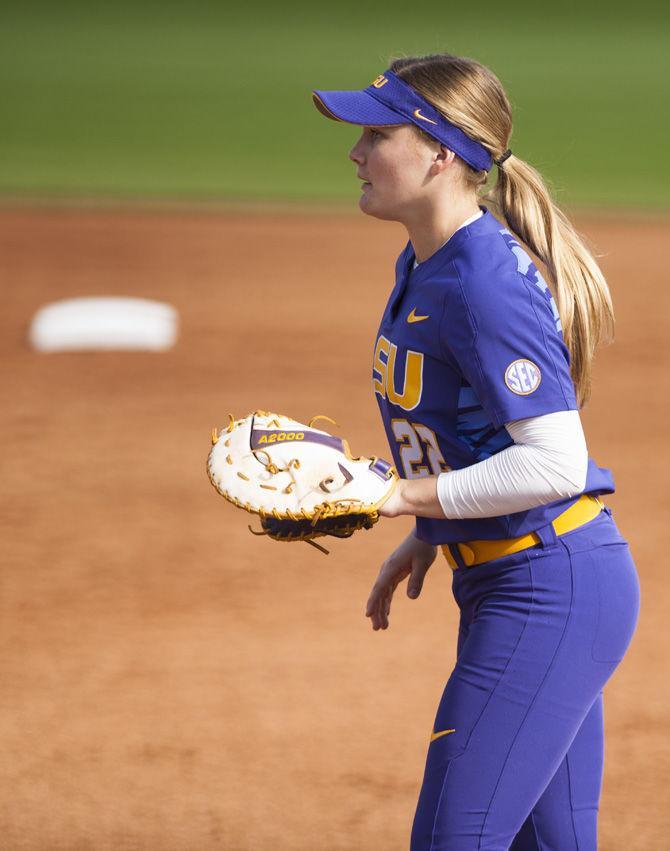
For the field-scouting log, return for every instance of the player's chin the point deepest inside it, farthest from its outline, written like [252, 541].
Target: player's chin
[372, 205]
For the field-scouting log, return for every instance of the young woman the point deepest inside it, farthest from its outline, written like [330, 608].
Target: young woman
[480, 375]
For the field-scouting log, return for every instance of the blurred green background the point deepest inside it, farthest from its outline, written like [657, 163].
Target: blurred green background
[211, 101]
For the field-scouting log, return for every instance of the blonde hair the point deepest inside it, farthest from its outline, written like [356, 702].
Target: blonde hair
[469, 95]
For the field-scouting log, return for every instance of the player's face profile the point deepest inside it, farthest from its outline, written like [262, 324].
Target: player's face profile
[393, 162]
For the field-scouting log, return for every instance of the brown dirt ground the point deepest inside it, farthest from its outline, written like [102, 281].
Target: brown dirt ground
[170, 682]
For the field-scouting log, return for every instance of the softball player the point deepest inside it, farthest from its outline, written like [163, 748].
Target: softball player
[479, 376]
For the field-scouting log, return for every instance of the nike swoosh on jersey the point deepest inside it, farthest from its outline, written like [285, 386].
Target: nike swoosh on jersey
[414, 318]
[417, 114]
[434, 736]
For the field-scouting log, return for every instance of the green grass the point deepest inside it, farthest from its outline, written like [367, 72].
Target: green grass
[179, 100]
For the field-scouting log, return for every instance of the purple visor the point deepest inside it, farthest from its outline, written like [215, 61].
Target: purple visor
[389, 100]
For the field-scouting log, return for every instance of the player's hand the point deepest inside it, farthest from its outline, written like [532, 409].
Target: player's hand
[412, 558]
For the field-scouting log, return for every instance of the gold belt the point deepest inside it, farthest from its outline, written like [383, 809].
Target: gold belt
[477, 552]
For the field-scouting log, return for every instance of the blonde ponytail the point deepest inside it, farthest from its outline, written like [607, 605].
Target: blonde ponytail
[583, 299]
[469, 95]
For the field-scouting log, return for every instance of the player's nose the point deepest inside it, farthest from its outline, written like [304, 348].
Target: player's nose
[356, 154]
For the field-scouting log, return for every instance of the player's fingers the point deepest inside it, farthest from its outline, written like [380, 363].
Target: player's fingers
[377, 608]
[415, 583]
[372, 608]
[379, 612]
[379, 590]
[383, 613]
[373, 600]
[379, 615]
[387, 602]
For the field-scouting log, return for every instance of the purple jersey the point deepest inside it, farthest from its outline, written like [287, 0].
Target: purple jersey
[471, 339]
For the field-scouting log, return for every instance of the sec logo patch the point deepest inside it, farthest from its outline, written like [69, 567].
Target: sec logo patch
[523, 377]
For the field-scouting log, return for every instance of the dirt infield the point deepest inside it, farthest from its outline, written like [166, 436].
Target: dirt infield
[171, 682]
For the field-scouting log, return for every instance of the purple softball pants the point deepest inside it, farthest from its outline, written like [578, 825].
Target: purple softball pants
[516, 755]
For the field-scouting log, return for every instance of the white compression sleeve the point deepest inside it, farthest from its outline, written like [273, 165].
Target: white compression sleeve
[547, 462]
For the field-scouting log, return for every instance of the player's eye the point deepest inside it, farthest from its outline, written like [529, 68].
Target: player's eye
[375, 133]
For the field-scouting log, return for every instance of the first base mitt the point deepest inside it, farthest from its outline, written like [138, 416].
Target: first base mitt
[302, 482]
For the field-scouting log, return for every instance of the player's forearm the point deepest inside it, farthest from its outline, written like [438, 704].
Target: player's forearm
[511, 481]
[547, 464]
[415, 496]
[517, 479]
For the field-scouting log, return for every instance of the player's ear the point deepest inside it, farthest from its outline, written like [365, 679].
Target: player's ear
[443, 157]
